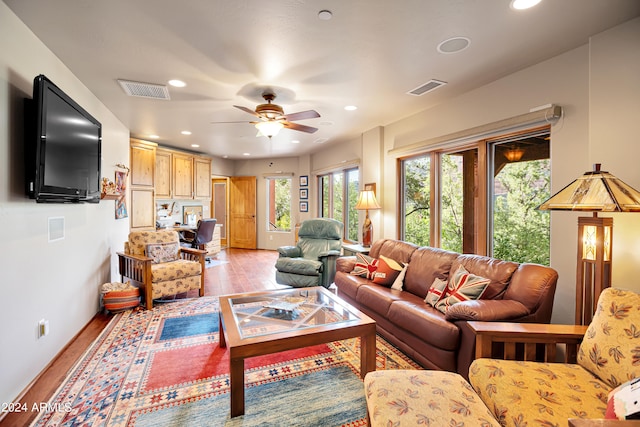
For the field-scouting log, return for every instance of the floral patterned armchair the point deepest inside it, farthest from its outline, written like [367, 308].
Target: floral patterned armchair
[155, 262]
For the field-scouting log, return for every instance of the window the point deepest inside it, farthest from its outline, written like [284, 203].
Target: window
[278, 204]
[454, 201]
[339, 195]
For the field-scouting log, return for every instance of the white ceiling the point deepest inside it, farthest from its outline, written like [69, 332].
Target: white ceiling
[369, 54]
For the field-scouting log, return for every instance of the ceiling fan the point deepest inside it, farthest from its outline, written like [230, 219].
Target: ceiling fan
[272, 117]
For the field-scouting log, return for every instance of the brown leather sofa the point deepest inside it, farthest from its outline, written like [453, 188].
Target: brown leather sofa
[516, 292]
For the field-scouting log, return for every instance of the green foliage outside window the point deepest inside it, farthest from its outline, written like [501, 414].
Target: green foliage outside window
[282, 219]
[417, 184]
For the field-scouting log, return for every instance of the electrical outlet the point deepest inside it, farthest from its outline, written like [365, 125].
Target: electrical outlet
[270, 237]
[43, 328]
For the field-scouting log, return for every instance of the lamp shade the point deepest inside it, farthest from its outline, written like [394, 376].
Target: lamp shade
[367, 200]
[595, 191]
[269, 128]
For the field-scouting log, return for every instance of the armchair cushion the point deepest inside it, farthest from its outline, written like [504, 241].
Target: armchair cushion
[303, 266]
[538, 393]
[174, 270]
[163, 252]
[290, 251]
[611, 346]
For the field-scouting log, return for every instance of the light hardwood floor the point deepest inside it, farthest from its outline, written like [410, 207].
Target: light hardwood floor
[243, 271]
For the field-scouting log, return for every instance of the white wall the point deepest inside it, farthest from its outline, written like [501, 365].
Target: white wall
[57, 281]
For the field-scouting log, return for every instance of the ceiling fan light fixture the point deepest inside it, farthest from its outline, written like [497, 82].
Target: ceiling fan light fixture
[269, 128]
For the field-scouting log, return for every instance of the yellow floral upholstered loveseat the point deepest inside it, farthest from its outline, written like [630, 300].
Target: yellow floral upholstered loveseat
[520, 393]
[155, 261]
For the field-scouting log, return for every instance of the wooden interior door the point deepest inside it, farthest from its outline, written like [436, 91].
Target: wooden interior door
[220, 206]
[242, 212]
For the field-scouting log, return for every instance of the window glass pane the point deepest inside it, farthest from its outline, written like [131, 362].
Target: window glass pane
[352, 199]
[279, 204]
[451, 202]
[521, 182]
[416, 193]
[326, 190]
[338, 197]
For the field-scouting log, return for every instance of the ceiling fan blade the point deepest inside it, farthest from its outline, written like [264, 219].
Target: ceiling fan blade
[302, 115]
[246, 110]
[297, 126]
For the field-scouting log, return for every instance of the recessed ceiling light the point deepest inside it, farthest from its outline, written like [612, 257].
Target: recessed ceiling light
[154, 136]
[177, 83]
[225, 157]
[350, 108]
[523, 4]
[453, 45]
[195, 145]
[246, 154]
[326, 123]
[186, 132]
[325, 15]
[295, 141]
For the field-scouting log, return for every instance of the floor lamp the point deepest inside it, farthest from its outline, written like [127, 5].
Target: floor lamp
[367, 200]
[595, 191]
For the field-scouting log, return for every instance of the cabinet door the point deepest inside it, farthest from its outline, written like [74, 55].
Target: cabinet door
[163, 174]
[202, 178]
[182, 176]
[142, 212]
[143, 163]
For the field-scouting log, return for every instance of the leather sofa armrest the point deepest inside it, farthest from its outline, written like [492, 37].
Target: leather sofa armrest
[487, 310]
[345, 264]
[290, 251]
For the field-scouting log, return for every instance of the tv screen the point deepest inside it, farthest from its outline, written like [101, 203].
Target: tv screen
[63, 147]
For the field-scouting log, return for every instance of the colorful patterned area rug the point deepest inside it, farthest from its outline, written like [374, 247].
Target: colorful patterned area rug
[163, 367]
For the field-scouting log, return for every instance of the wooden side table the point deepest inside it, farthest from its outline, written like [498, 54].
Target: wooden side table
[351, 250]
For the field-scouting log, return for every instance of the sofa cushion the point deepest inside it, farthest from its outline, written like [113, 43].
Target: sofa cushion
[365, 266]
[463, 286]
[497, 271]
[425, 322]
[378, 298]
[348, 284]
[426, 264]
[429, 398]
[534, 393]
[611, 346]
[386, 272]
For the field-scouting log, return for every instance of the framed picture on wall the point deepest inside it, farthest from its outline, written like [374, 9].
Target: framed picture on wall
[304, 194]
[304, 206]
[304, 180]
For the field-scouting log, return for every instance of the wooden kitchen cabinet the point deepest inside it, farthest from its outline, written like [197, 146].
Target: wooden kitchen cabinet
[143, 163]
[202, 178]
[163, 180]
[142, 212]
[182, 176]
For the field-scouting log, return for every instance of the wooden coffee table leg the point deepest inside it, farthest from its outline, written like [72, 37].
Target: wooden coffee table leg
[223, 342]
[368, 353]
[236, 380]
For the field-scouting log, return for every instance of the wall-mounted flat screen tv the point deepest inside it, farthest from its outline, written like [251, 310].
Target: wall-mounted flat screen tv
[63, 145]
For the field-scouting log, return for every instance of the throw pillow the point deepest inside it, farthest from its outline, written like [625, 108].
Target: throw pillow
[387, 272]
[399, 282]
[365, 266]
[163, 252]
[463, 286]
[436, 292]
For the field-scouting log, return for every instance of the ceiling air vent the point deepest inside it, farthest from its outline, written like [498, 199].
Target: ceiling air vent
[144, 90]
[427, 87]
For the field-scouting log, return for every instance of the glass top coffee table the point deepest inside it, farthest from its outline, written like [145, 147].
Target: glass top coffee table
[259, 323]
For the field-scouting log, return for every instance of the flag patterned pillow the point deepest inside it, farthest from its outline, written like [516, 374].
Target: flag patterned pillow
[365, 266]
[436, 292]
[463, 286]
